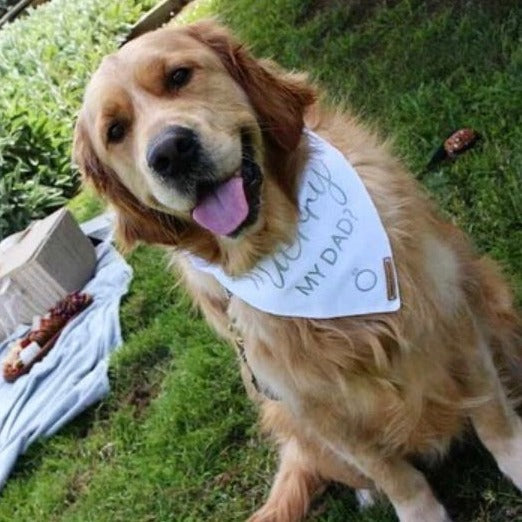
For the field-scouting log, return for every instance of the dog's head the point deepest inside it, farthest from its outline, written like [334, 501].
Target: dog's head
[181, 129]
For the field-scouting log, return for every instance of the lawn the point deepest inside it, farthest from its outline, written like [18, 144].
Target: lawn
[176, 440]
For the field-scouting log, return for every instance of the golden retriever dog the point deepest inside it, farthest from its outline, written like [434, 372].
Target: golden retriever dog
[183, 115]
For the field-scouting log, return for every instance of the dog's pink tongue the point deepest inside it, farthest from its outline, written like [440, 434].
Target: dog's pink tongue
[225, 209]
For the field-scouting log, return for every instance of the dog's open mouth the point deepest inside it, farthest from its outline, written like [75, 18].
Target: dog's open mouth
[227, 207]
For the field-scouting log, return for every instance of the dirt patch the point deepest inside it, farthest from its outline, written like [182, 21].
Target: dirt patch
[141, 396]
[138, 382]
[77, 486]
[225, 478]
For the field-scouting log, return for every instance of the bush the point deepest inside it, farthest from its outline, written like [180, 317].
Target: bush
[45, 60]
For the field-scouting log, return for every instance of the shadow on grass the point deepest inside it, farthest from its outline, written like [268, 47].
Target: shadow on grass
[467, 482]
[472, 488]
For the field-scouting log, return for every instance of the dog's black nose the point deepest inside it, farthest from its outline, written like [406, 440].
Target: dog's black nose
[173, 151]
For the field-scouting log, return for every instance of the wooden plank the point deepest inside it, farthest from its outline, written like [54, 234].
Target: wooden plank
[18, 9]
[156, 17]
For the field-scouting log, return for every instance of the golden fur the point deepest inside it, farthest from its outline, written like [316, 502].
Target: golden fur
[360, 395]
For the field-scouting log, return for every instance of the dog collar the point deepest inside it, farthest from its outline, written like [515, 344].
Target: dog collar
[340, 263]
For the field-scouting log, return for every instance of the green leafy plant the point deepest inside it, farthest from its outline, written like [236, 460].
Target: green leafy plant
[45, 61]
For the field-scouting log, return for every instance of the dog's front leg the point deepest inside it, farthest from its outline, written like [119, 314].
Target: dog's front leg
[295, 484]
[497, 423]
[405, 486]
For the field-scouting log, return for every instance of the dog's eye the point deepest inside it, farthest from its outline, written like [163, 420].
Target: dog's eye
[116, 132]
[178, 77]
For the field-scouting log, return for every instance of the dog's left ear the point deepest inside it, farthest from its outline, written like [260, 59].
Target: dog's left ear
[279, 99]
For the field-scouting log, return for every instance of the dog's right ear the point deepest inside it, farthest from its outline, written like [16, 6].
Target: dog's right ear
[103, 180]
[90, 166]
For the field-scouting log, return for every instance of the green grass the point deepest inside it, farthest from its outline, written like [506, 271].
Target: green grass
[176, 439]
[45, 60]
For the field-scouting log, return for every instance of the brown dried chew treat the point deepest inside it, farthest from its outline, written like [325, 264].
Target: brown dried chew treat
[68, 306]
[45, 336]
[52, 323]
[11, 373]
[39, 336]
[454, 145]
[460, 141]
[12, 363]
[48, 327]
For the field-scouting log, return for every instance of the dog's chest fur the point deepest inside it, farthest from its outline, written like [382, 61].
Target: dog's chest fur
[264, 358]
[243, 325]
[267, 344]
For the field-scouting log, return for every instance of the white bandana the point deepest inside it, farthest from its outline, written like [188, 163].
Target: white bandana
[341, 262]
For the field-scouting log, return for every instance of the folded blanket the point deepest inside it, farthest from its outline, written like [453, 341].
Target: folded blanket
[73, 375]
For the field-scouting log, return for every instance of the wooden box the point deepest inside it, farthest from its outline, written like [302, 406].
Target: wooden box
[40, 266]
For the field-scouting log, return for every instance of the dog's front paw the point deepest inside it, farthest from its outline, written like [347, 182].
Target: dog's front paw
[268, 513]
[274, 511]
[366, 498]
[510, 460]
[258, 516]
[422, 510]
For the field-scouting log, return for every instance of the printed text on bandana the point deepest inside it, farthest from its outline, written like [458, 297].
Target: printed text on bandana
[320, 190]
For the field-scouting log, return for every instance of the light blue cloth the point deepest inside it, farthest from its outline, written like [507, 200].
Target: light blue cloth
[73, 375]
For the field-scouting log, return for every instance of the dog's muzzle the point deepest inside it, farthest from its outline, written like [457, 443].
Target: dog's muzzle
[222, 205]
